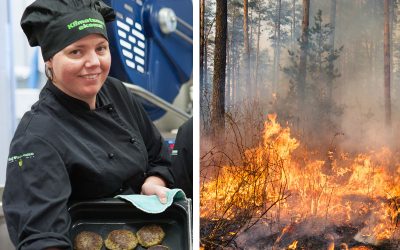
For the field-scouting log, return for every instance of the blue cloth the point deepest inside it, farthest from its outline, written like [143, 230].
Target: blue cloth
[150, 203]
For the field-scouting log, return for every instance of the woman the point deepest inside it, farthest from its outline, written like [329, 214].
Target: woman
[87, 137]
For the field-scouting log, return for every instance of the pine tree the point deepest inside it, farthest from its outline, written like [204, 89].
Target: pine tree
[218, 96]
[320, 57]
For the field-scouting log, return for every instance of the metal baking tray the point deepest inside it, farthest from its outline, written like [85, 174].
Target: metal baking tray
[103, 216]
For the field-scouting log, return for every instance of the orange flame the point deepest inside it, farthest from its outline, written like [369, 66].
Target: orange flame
[293, 246]
[362, 188]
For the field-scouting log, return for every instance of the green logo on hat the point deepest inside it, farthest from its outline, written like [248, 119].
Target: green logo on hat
[86, 23]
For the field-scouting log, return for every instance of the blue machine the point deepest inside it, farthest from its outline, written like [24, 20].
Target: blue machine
[151, 46]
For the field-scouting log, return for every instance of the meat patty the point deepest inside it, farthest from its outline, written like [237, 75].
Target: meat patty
[150, 235]
[121, 239]
[158, 247]
[86, 240]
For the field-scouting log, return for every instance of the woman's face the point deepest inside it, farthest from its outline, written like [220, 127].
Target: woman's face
[81, 68]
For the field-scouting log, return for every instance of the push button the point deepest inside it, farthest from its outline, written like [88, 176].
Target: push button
[111, 155]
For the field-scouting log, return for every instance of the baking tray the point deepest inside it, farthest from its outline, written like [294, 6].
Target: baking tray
[103, 216]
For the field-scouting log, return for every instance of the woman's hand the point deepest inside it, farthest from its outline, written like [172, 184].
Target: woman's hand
[155, 185]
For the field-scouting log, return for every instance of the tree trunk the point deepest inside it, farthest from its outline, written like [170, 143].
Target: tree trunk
[293, 25]
[250, 79]
[233, 56]
[202, 45]
[257, 55]
[251, 32]
[303, 54]
[277, 46]
[207, 34]
[228, 91]
[202, 26]
[205, 67]
[391, 34]
[218, 108]
[386, 49]
[332, 44]
[246, 44]
[205, 72]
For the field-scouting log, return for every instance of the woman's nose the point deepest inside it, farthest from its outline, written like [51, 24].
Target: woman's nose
[92, 59]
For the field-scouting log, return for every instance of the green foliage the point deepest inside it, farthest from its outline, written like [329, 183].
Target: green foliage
[318, 109]
[272, 19]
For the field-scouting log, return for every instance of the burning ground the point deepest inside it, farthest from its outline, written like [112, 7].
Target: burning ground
[282, 195]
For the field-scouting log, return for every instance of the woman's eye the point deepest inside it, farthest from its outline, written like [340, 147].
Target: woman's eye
[75, 52]
[102, 48]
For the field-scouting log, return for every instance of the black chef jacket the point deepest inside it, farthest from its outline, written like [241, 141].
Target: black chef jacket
[182, 158]
[63, 151]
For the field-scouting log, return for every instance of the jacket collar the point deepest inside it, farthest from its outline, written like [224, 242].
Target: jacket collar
[73, 103]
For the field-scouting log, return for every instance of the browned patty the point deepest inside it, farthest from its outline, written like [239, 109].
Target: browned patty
[121, 239]
[158, 247]
[150, 235]
[88, 241]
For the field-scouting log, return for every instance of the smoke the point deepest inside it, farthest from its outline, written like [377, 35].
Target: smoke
[363, 123]
[359, 91]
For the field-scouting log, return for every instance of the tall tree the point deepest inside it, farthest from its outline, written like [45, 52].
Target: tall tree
[202, 47]
[320, 111]
[228, 85]
[259, 9]
[207, 40]
[257, 51]
[206, 88]
[386, 49]
[233, 46]
[293, 25]
[277, 49]
[303, 55]
[246, 44]
[332, 44]
[218, 100]
[232, 53]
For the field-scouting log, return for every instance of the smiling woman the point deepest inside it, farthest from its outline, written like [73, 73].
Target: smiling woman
[86, 138]
[81, 68]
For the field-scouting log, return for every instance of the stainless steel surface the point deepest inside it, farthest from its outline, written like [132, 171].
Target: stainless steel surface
[168, 23]
[181, 21]
[157, 101]
[183, 36]
[167, 20]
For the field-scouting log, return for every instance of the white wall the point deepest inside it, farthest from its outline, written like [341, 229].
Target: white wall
[22, 51]
[7, 86]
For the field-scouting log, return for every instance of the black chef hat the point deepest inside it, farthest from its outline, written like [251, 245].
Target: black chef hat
[55, 24]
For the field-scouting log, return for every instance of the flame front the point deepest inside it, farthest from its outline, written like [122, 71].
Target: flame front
[361, 189]
[293, 246]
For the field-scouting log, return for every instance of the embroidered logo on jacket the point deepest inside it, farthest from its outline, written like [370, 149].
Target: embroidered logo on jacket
[20, 158]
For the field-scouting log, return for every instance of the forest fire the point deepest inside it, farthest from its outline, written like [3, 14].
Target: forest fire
[337, 199]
